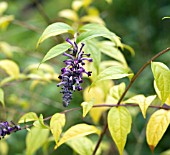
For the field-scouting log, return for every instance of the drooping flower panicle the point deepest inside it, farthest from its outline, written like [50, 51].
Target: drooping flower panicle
[7, 128]
[71, 75]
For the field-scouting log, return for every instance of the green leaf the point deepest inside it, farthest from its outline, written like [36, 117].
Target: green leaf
[95, 54]
[113, 72]
[30, 116]
[35, 139]
[2, 97]
[143, 102]
[92, 27]
[57, 122]
[156, 127]
[161, 75]
[97, 33]
[56, 50]
[81, 145]
[10, 67]
[97, 30]
[5, 21]
[55, 29]
[87, 107]
[108, 48]
[78, 130]
[119, 123]
[40, 123]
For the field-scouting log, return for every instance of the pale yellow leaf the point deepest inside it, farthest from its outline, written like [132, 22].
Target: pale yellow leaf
[76, 5]
[78, 130]
[86, 3]
[35, 139]
[87, 107]
[162, 78]
[4, 147]
[40, 123]
[30, 116]
[119, 123]
[97, 95]
[143, 102]
[2, 97]
[57, 122]
[5, 20]
[117, 90]
[156, 127]
[81, 145]
[69, 14]
[10, 67]
[3, 7]
[159, 95]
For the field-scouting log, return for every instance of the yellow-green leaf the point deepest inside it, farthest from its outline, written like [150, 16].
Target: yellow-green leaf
[87, 107]
[81, 145]
[109, 1]
[69, 14]
[117, 90]
[2, 97]
[162, 78]
[143, 102]
[78, 130]
[55, 29]
[4, 147]
[156, 127]
[35, 139]
[159, 95]
[40, 123]
[10, 67]
[119, 123]
[167, 152]
[5, 20]
[57, 122]
[97, 95]
[30, 116]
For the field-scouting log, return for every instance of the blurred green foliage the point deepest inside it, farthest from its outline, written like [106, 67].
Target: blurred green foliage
[138, 23]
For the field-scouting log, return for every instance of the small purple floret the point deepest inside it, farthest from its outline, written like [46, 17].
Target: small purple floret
[71, 75]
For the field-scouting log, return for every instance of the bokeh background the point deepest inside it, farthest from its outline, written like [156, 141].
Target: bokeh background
[138, 23]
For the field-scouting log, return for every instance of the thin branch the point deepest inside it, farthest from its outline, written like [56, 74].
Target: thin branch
[42, 12]
[140, 71]
[100, 106]
[100, 138]
[27, 26]
[126, 90]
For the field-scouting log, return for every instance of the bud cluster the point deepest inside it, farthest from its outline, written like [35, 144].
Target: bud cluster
[7, 128]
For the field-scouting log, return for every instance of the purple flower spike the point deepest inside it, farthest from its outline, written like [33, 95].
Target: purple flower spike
[71, 75]
[7, 128]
